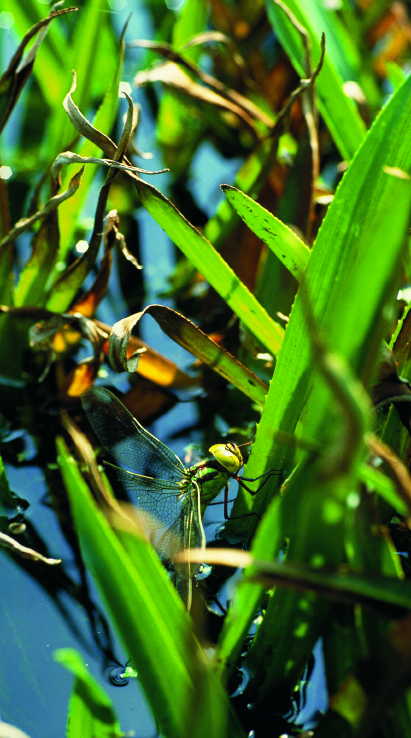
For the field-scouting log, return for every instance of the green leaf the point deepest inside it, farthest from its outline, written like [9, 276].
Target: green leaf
[384, 486]
[282, 241]
[91, 713]
[191, 21]
[351, 277]
[6, 496]
[93, 54]
[395, 74]
[33, 278]
[50, 62]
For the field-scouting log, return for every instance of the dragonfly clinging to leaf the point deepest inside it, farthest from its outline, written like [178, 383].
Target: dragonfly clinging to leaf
[162, 487]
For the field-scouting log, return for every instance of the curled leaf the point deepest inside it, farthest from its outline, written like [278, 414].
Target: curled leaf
[112, 228]
[89, 302]
[129, 127]
[153, 365]
[185, 333]
[119, 338]
[111, 151]
[83, 126]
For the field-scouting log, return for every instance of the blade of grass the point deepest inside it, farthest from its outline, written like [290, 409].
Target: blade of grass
[282, 241]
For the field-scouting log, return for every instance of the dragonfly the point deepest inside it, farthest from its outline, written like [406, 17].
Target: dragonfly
[164, 489]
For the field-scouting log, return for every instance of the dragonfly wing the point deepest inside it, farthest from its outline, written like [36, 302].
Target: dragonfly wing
[186, 532]
[193, 535]
[159, 498]
[169, 545]
[123, 436]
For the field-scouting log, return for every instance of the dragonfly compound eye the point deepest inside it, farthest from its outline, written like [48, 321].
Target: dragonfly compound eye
[228, 455]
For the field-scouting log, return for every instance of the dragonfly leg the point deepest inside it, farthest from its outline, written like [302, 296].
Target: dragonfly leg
[236, 517]
[267, 475]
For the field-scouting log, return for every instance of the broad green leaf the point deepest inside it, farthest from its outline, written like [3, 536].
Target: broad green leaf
[339, 112]
[352, 273]
[148, 614]
[312, 514]
[282, 241]
[315, 508]
[131, 602]
[91, 713]
[351, 277]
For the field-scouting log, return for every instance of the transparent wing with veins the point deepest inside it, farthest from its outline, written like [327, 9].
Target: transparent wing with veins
[155, 471]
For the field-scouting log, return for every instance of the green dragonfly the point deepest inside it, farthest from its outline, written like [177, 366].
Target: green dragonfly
[165, 490]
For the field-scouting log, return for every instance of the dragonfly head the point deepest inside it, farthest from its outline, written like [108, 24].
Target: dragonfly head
[228, 455]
